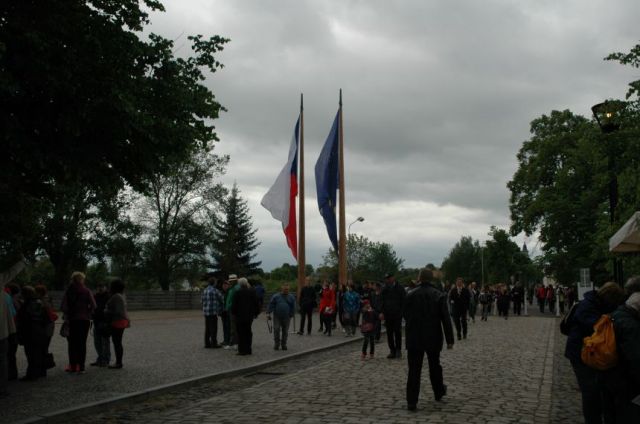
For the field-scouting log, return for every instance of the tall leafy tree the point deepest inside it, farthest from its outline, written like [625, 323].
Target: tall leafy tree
[234, 238]
[464, 260]
[175, 215]
[366, 259]
[90, 106]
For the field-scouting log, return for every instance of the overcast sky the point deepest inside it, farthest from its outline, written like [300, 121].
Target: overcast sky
[438, 97]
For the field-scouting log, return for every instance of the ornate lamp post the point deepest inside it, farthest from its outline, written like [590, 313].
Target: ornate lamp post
[607, 115]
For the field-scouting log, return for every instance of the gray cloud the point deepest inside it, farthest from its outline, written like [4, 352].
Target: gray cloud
[438, 97]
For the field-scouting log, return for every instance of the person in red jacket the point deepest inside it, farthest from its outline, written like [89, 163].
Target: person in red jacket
[327, 307]
[541, 295]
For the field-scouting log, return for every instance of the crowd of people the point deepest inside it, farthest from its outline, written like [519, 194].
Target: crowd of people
[28, 317]
[430, 311]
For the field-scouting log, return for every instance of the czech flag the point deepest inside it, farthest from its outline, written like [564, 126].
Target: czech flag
[280, 200]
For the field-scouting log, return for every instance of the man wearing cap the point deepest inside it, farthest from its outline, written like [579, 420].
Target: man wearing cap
[393, 296]
[426, 315]
[211, 307]
[233, 289]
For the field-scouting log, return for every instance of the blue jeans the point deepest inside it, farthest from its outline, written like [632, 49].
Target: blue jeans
[102, 345]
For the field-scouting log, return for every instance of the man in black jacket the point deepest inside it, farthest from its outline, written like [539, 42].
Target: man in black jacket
[393, 296]
[426, 316]
[460, 298]
[307, 302]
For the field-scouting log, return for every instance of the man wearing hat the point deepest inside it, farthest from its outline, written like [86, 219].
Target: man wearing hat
[233, 289]
[393, 295]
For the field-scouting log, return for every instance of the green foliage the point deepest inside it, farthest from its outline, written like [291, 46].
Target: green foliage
[90, 107]
[464, 260]
[501, 259]
[234, 240]
[175, 215]
[567, 173]
[366, 260]
[288, 272]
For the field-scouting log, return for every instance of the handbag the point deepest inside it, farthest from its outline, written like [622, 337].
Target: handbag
[367, 327]
[64, 329]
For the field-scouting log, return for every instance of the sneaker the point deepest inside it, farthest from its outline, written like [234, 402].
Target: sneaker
[226, 347]
[439, 396]
[115, 366]
[391, 355]
[94, 364]
[363, 356]
[300, 333]
[411, 407]
[69, 368]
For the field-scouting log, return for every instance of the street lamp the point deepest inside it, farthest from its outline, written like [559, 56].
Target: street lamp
[607, 116]
[358, 219]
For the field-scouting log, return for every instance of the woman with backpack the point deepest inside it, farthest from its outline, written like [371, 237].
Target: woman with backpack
[597, 403]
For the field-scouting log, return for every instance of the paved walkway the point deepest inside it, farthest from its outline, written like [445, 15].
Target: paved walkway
[161, 347]
[507, 371]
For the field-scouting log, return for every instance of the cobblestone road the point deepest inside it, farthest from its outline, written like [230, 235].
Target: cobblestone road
[161, 347]
[507, 371]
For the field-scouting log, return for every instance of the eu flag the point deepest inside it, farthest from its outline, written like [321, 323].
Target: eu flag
[327, 182]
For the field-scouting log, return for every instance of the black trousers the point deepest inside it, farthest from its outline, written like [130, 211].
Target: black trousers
[245, 337]
[415, 359]
[517, 307]
[305, 315]
[77, 342]
[34, 350]
[116, 336]
[12, 367]
[210, 330]
[369, 341]
[394, 333]
[460, 321]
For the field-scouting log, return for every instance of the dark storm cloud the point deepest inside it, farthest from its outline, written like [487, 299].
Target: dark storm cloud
[438, 97]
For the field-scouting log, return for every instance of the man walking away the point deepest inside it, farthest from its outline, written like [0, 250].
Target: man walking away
[393, 296]
[282, 306]
[212, 301]
[426, 316]
[460, 299]
[307, 302]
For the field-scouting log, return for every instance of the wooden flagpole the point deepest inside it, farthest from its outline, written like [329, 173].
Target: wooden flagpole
[301, 225]
[342, 244]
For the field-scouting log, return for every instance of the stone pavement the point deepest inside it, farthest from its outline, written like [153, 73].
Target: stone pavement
[161, 347]
[507, 371]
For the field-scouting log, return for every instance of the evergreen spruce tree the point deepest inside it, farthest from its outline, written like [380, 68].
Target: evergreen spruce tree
[234, 239]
